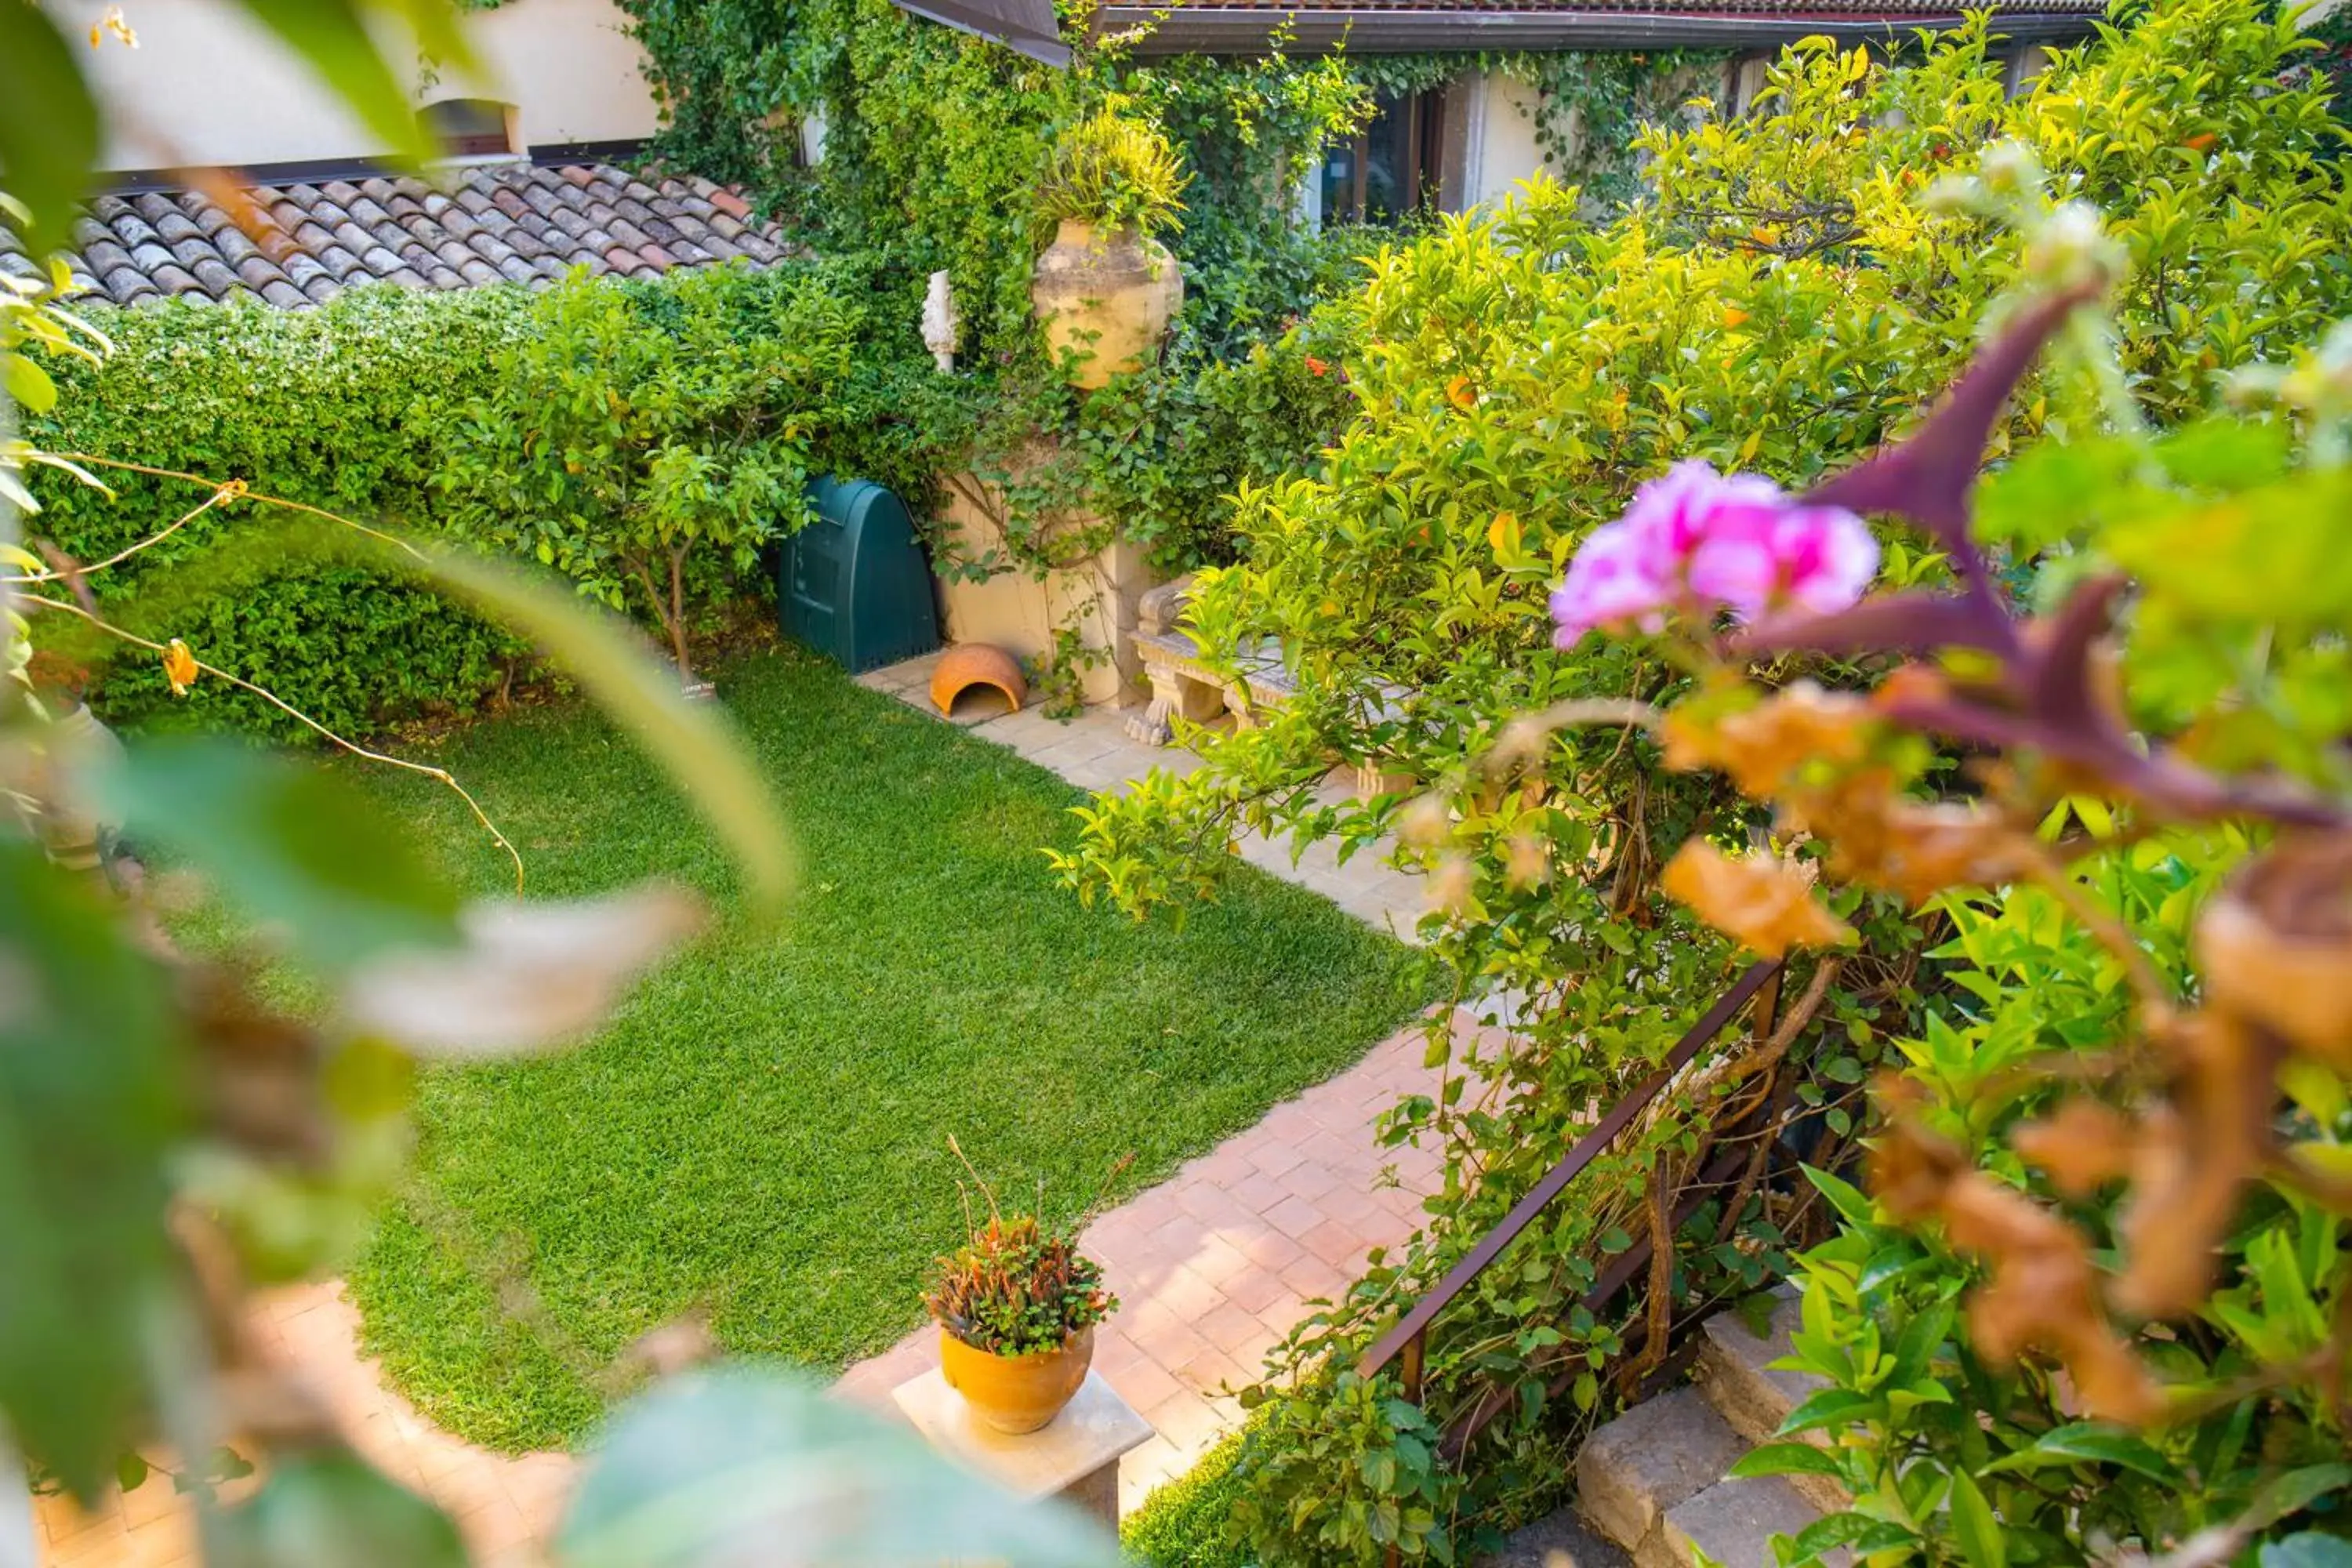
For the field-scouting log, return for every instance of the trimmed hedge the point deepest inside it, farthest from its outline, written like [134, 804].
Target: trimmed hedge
[367, 407]
[1187, 1522]
[347, 407]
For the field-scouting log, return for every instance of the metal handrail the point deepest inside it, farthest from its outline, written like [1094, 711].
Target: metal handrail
[1407, 1336]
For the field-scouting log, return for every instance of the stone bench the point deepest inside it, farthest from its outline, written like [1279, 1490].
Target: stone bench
[1182, 682]
[1185, 685]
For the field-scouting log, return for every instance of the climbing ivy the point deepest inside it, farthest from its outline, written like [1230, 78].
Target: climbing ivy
[934, 140]
[933, 144]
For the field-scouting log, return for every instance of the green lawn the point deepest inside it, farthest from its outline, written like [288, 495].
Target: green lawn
[762, 1132]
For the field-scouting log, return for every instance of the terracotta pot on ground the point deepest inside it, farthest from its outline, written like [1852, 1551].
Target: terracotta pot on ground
[1016, 1393]
[1110, 296]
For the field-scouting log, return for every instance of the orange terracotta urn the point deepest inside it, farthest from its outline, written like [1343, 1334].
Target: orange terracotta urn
[1016, 1394]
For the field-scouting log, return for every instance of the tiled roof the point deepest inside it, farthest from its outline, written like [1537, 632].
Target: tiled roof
[301, 245]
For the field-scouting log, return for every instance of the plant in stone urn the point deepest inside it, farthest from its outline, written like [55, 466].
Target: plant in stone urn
[1105, 289]
[1016, 1307]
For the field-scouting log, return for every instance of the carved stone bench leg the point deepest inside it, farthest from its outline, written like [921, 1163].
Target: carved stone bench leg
[1173, 694]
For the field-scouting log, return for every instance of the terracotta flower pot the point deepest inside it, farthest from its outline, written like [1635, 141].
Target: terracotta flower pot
[1107, 296]
[1016, 1393]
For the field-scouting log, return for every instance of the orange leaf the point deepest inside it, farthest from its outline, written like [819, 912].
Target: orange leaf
[1760, 900]
[179, 667]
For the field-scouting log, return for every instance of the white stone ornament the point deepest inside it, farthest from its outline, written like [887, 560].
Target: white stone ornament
[943, 322]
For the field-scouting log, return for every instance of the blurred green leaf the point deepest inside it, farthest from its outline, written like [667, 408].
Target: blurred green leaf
[737, 1465]
[1785, 1459]
[2263, 555]
[330, 1506]
[2084, 1441]
[332, 36]
[1972, 1521]
[89, 1106]
[693, 740]
[286, 842]
[49, 124]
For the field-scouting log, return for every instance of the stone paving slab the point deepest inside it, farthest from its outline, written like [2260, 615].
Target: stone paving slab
[1094, 750]
[1215, 1265]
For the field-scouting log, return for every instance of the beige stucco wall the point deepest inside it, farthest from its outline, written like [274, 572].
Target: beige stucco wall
[1019, 612]
[208, 86]
[1502, 129]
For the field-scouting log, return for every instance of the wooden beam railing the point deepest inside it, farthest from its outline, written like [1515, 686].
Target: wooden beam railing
[1405, 1344]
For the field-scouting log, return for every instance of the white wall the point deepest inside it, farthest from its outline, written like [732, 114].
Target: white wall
[208, 86]
[1502, 133]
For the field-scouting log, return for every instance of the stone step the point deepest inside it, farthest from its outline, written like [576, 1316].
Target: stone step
[1559, 1540]
[1658, 1454]
[1732, 1524]
[1736, 1376]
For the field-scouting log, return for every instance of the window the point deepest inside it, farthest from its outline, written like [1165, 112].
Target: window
[469, 127]
[1391, 168]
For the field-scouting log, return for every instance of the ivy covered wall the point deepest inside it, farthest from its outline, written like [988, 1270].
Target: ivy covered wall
[933, 140]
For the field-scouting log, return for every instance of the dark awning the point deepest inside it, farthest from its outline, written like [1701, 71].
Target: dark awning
[1027, 26]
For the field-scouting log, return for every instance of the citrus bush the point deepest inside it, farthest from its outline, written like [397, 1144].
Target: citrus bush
[1799, 284]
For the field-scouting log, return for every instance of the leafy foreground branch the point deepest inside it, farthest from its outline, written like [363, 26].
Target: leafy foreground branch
[2018, 838]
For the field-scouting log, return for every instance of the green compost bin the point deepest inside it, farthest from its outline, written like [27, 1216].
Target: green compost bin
[854, 584]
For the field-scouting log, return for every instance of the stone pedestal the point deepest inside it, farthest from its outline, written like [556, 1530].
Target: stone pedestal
[1075, 1457]
[1019, 611]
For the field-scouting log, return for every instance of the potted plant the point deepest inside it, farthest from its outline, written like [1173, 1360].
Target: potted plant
[1016, 1307]
[1105, 289]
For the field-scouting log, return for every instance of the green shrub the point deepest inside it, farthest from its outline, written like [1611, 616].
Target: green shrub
[1187, 1522]
[1113, 169]
[649, 438]
[429, 414]
[1783, 301]
[347, 407]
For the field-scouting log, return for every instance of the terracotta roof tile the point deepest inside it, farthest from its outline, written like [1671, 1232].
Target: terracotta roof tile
[491, 224]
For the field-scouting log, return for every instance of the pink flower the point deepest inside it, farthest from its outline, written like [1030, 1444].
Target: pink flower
[1610, 579]
[1695, 540]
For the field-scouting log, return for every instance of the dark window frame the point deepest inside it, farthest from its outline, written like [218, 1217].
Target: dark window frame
[1423, 172]
[457, 128]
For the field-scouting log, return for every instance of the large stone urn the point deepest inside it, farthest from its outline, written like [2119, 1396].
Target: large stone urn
[1105, 294]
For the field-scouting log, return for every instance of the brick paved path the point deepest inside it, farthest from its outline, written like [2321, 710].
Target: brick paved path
[1211, 1267]
[1217, 1263]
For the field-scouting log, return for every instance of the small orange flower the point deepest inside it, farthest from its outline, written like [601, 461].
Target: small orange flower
[1461, 393]
[179, 667]
[1733, 317]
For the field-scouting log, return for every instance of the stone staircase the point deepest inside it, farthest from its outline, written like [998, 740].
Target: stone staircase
[1651, 1484]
